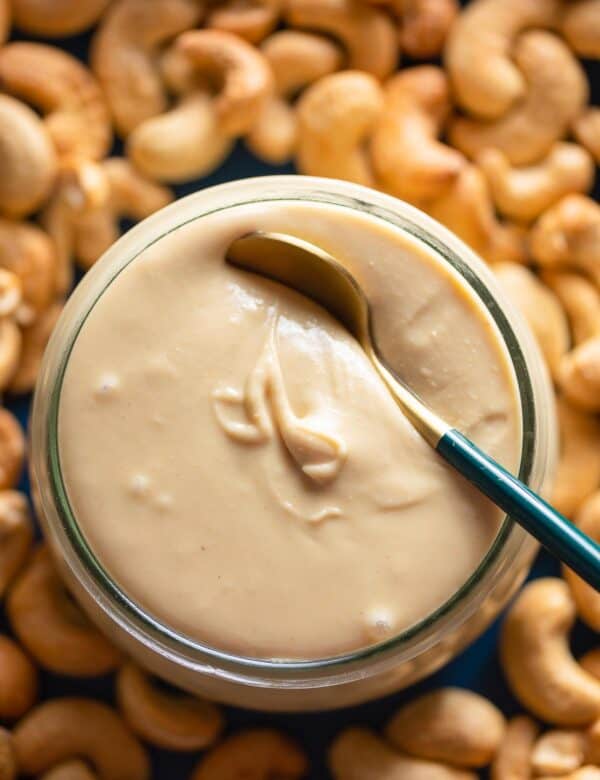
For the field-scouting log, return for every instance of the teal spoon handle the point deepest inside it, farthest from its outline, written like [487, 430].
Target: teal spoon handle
[559, 536]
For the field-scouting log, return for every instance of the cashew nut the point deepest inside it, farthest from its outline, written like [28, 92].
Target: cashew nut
[252, 20]
[56, 18]
[557, 91]
[583, 773]
[425, 25]
[485, 80]
[540, 307]
[586, 129]
[16, 535]
[174, 721]
[243, 72]
[578, 473]
[11, 294]
[580, 26]
[451, 725]
[467, 209]
[124, 51]
[256, 753]
[10, 352]
[357, 754]
[523, 193]
[27, 159]
[61, 729]
[70, 770]
[579, 375]
[368, 34]
[35, 338]
[18, 680]
[76, 116]
[12, 447]
[558, 752]
[297, 59]
[335, 117]
[8, 760]
[513, 758]
[4, 33]
[52, 627]
[568, 235]
[408, 159]
[581, 301]
[537, 660]
[586, 598]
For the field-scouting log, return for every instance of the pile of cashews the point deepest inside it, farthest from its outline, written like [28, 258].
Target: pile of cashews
[498, 143]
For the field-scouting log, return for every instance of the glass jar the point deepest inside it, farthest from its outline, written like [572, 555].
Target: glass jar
[291, 685]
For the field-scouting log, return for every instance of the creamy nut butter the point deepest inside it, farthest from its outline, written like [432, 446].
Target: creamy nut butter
[237, 466]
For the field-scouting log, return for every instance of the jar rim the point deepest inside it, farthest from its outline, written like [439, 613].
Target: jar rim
[506, 544]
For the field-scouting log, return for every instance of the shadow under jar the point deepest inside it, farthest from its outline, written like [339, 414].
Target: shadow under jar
[178, 396]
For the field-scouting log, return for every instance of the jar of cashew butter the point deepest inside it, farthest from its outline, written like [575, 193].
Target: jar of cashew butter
[229, 489]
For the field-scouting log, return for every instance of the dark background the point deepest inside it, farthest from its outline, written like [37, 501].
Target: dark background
[477, 668]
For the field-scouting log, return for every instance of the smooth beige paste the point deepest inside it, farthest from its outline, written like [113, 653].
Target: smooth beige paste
[239, 468]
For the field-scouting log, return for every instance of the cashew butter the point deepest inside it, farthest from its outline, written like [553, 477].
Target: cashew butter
[237, 466]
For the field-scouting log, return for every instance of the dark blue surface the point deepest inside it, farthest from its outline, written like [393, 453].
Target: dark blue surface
[476, 668]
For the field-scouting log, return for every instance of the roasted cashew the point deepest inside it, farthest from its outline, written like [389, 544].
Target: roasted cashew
[12, 447]
[297, 59]
[425, 25]
[407, 157]
[486, 82]
[173, 721]
[11, 294]
[578, 472]
[243, 72]
[467, 209]
[513, 757]
[124, 50]
[557, 91]
[540, 307]
[586, 129]
[8, 760]
[61, 729]
[252, 20]
[358, 754]
[256, 753]
[368, 34]
[580, 299]
[537, 661]
[52, 627]
[35, 338]
[579, 375]
[580, 25]
[586, 598]
[56, 18]
[568, 235]
[523, 193]
[16, 535]
[335, 117]
[27, 159]
[10, 354]
[558, 752]
[18, 680]
[5, 20]
[70, 770]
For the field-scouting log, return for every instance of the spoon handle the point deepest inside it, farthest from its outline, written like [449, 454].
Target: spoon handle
[553, 530]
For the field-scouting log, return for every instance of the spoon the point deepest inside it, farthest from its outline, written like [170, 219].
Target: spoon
[317, 275]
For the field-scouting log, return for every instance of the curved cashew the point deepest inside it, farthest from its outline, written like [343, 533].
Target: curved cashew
[540, 307]
[537, 661]
[35, 338]
[524, 193]
[368, 34]
[257, 753]
[297, 59]
[513, 757]
[252, 20]
[557, 91]
[245, 75]
[5, 19]
[18, 681]
[451, 725]
[558, 752]
[8, 759]
[70, 770]
[357, 754]
[123, 55]
[16, 535]
[408, 159]
[586, 598]
[580, 26]
[425, 25]
[56, 18]
[586, 129]
[579, 375]
[12, 448]
[61, 729]
[485, 80]
[467, 209]
[568, 234]
[174, 721]
[578, 473]
[52, 627]
[581, 301]
[76, 116]
[27, 159]
[335, 116]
